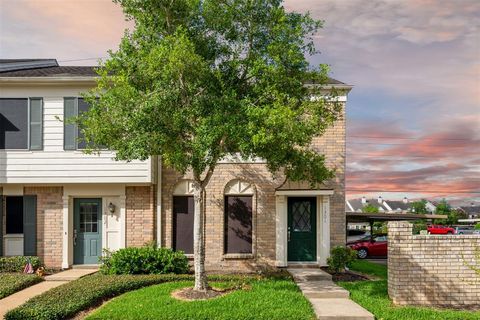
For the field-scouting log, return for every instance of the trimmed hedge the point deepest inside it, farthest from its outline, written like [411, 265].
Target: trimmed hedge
[65, 301]
[13, 282]
[148, 259]
[17, 263]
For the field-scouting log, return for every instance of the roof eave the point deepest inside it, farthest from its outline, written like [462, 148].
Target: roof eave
[328, 86]
[49, 80]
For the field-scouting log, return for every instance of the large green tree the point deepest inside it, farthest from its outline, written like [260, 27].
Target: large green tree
[197, 80]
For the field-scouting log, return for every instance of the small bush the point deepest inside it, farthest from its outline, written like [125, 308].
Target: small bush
[341, 257]
[477, 226]
[17, 263]
[13, 282]
[145, 260]
[65, 301]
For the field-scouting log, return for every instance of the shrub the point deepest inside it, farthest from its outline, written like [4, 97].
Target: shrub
[64, 301]
[13, 282]
[418, 226]
[369, 208]
[341, 257]
[145, 260]
[477, 226]
[17, 263]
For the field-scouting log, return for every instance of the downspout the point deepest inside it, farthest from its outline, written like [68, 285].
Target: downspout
[159, 201]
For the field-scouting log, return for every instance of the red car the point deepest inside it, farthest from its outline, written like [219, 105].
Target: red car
[439, 229]
[376, 247]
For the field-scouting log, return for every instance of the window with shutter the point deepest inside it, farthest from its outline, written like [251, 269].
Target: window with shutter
[14, 123]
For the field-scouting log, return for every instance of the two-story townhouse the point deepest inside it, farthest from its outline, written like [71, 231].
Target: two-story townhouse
[66, 206]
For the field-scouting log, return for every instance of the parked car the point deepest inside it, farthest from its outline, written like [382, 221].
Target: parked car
[464, 229]
[366, 247]
[439, 229]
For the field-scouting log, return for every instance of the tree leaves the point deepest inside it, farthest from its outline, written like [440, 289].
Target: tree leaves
[197, 80]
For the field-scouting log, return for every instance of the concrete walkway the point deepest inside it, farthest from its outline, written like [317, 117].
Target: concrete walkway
[50, 282]
[329, 301]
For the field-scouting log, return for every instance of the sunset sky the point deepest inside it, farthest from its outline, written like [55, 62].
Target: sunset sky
[413, 115]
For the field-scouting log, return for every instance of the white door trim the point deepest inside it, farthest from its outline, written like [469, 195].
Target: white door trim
[323, 228]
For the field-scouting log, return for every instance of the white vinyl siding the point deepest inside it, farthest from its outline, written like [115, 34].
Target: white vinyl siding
[55, 165]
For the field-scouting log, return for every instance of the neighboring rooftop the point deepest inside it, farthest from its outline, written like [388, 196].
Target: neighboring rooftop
[398, 205]
[356, 205]
[44, 68]
[471, 210]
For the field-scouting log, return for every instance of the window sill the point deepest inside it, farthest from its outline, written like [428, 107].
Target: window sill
[189, 256]
[232, 256]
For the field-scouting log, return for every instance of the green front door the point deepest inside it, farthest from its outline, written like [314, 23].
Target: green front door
[87, 231]
[302, 229]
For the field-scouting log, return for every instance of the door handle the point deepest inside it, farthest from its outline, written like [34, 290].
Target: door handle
[288, 234]
[74, 237]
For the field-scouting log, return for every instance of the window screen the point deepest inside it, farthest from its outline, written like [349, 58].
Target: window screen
[238, 224]
[14, 214]
[14, 123]
[183, 207]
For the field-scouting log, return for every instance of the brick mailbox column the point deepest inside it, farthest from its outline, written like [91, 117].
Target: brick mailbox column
[398, 232]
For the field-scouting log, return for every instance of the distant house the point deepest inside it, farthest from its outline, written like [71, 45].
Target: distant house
[472, 211]
[356, 205]
[398, 206]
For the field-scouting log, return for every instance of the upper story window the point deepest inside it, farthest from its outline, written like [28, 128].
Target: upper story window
[72, 135]
[21, 123]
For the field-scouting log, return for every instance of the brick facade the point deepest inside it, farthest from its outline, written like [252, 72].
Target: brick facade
[140, 215]
[433, 270]
[140, 208]
[331, 144]
[49, 223]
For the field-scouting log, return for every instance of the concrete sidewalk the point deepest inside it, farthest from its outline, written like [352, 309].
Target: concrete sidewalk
[55, 280]
[329, 301]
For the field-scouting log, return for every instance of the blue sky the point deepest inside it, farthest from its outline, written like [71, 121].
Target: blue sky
[413, 115]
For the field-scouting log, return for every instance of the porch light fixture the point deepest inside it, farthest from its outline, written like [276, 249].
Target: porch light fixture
[111, 207]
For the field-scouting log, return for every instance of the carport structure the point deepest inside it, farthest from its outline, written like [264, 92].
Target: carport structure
[373, 217]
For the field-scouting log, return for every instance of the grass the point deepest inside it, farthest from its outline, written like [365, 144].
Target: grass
[275, 293]
[373, 269]
[13, 282]
[65, 301]
[373, 296]
[267, 299]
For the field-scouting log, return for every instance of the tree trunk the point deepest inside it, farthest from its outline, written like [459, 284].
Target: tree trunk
[198, 238]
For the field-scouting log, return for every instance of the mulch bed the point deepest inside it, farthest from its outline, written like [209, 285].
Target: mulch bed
[188, 294]
[347, 276]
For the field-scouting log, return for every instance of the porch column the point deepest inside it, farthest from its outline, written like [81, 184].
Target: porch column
[325, 231]
[281, 231]
[123, 219]
[66, 232]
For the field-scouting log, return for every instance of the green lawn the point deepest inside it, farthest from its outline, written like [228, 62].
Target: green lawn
[13, 282]
[267, 299]
[373, 296]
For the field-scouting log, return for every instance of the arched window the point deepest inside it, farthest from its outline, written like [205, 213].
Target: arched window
[183, 207]
[238, 217]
